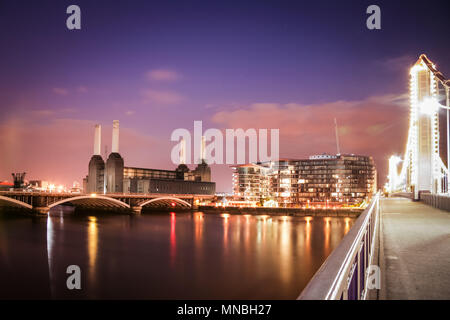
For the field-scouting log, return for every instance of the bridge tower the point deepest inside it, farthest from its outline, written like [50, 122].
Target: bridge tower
[424, 174]
[423, 169]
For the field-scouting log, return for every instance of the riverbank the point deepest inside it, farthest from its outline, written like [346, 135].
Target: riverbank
[295, 212]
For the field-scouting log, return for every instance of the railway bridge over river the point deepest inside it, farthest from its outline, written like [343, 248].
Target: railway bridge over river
[40, 203]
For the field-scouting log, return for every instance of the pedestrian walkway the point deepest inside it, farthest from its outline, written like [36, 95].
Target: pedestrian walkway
[414, 251]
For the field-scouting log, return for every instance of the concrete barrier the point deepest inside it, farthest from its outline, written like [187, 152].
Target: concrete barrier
[438, 201]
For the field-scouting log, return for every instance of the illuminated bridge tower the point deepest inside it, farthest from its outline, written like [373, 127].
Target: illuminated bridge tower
[423, 169]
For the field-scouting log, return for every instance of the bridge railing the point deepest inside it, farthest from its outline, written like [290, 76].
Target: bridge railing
[344, 275]
[439, 201]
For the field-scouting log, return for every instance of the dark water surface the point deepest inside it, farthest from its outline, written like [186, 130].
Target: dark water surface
[164, 255]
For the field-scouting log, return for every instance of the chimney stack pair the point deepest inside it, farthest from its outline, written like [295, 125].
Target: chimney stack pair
[98, 137]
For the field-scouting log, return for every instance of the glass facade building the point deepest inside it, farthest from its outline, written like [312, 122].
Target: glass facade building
[319, 180]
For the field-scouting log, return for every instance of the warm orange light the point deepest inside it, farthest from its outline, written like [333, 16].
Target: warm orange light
[198, 215]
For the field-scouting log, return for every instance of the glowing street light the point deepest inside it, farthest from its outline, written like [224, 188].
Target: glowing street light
[429, 106]
[393, 175]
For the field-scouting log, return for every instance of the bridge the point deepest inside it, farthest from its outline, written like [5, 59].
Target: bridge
[40, 203]
[398, 248]
[422, 167]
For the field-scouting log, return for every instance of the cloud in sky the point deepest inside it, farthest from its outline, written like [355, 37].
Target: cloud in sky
[375, 126]
[65, 91]
[163, 75]
[48, 113]
[398, 63]
[43, 112]
[161, 97]
[59, 149]
[82, 89]
[60, 91]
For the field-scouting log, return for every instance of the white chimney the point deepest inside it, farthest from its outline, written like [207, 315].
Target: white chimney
[182, 151]
[97, 139]
[203, 150]
[115, 137]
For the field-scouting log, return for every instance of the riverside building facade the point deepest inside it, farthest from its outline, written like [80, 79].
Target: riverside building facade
[321, 180]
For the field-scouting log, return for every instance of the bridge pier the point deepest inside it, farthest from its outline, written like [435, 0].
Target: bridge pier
[136, 210]
[41, 211]
[40, 205]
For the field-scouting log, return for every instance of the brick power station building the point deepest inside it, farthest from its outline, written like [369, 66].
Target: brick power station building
[114, 177]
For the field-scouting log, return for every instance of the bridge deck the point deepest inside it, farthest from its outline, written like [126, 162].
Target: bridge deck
[415, 251]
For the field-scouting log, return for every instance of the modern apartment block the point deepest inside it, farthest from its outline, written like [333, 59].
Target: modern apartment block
[319, 180]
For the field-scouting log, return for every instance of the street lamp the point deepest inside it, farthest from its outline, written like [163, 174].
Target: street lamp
[393, 174]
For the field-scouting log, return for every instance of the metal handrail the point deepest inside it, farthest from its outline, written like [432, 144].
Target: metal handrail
[344, 273]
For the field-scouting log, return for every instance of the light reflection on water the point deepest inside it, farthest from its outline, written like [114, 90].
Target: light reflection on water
[92, 241]
[167, 255]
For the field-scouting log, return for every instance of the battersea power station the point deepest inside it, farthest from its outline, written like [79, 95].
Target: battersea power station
[114, 177]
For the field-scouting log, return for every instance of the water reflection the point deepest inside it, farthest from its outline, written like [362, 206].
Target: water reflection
[307, 246]
[173, 239]
[285, 250]
[327, 232]
[198, 235]
[92, 240]
[347, 224]
[182, 255]
[198, 224]
[50, 244]
[225, 217]
[247, 233]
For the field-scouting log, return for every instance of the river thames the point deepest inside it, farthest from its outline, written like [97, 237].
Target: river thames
[162, 255]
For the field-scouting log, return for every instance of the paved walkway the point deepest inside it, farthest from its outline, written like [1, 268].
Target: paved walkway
[415, 251]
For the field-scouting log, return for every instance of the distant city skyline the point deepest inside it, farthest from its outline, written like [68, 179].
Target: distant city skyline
[157, 67]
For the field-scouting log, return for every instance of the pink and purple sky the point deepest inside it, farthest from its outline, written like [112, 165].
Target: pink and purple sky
[159, 66]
